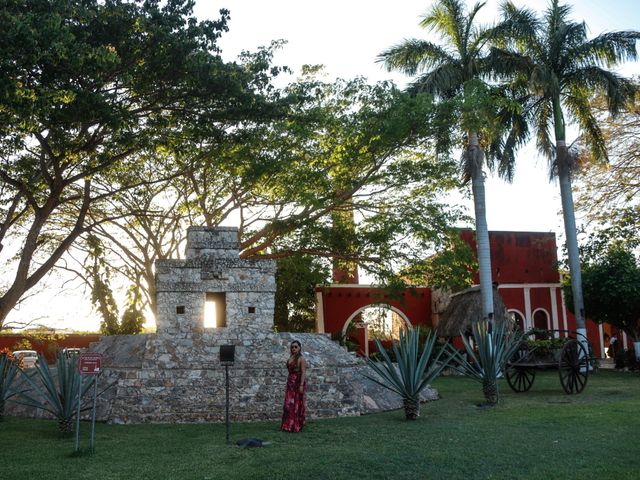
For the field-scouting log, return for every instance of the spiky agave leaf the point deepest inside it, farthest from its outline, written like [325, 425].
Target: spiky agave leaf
[9, 368]
[412, 372]
[495, 346]
[57, 395]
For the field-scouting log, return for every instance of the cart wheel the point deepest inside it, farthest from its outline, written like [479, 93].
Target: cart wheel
[573, 367]
[520, 378]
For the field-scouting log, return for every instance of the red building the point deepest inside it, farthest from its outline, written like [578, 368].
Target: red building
[524, 266]
[49, 344]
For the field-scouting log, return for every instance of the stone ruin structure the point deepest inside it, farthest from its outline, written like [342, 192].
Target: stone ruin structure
[175, 375]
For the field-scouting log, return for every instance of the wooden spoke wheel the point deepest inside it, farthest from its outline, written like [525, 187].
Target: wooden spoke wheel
[520, 377]
[573, 367]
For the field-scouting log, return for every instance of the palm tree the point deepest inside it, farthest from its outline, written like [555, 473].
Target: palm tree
[454, 71]
[562, 70]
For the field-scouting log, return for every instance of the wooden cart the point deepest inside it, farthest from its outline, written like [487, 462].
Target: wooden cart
[571, 359]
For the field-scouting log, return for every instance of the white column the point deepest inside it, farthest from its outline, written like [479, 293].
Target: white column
[366, 340]
[319, 313]
[528, 322]
[554, 309]
[601, 333]
[564, 312]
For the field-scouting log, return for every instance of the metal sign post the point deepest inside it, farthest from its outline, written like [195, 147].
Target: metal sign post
[228, 423]
[227, 357]
[78, 414]
[88, 364]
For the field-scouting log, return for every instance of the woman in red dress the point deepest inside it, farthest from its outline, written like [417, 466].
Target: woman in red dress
[294, 409]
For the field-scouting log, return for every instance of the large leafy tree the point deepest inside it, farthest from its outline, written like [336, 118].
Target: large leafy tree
[279, 182]
[609, 193]
[90, 90]
[562, 69]
[455, 71]
[611, 282]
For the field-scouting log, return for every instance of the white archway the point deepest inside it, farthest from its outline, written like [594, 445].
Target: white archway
[547, 318]
[521, 315]
[360, 310]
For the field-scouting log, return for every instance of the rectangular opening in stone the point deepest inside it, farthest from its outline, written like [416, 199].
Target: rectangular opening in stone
[180, 309]
[214, 310]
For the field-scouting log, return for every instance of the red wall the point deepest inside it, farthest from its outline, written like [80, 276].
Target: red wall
[519, 260]
[520, 257]
[47, 347]
[340, 302]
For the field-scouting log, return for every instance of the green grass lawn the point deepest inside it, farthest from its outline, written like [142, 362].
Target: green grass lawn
[541, 434]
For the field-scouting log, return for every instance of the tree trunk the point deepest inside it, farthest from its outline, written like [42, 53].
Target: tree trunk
[490, 391]
[65, 425]
[411, 408]
[344, 235]
[566, 195]
[482, 232]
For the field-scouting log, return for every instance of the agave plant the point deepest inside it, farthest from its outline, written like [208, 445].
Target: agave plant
[9, 367]
[57, 394]
[495, 346]
[412, 372]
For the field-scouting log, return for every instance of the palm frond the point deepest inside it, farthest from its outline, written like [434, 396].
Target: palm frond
[413, 56]
[474, 36]
[543, 119]
[515, 119]
[444, 81]
[518, 27]
[577, 101]
[504, 63]
[608, 49]
[447, 18]
[618, 90]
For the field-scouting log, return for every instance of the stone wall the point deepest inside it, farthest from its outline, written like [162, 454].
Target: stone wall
[213, 266]
[175, 375]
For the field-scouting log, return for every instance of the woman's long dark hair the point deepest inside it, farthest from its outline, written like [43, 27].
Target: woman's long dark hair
[299, 354]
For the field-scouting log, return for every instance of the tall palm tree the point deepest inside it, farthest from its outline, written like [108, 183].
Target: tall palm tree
[454, 71]
[563, 70]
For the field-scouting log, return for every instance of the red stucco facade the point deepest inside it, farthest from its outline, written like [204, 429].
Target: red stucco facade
[524, 265]
[338, 305]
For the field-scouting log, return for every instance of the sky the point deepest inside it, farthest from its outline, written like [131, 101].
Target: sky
[346, 36]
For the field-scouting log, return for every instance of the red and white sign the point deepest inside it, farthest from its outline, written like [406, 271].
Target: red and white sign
[90, 363]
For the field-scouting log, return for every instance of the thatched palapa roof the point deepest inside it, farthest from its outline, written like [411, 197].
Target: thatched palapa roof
[465, 307]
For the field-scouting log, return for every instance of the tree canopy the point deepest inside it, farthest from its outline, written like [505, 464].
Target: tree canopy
[553, 59]
[345, 146]
[609, 193]
[611, 283]
[120, 125]
[90, 91]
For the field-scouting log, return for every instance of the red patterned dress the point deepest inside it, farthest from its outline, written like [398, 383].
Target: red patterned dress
[294, 409]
